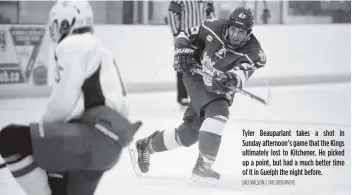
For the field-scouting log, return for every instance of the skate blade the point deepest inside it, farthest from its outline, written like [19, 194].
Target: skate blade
[203, 181]
[133, 153]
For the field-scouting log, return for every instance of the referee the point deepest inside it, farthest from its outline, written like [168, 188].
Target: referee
[185, 14]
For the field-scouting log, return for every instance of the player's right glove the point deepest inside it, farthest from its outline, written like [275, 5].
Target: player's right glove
[184, 60]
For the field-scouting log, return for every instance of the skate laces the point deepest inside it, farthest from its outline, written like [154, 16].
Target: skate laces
[145, 153]
[148, 149]
[206, 164]
[145, 156]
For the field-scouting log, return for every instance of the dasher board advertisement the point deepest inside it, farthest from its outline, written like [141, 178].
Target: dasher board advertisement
[23, 54]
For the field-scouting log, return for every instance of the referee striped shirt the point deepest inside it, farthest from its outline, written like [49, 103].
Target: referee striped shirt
[184, 14]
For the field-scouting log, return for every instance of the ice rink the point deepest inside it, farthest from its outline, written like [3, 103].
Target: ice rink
[307, 107]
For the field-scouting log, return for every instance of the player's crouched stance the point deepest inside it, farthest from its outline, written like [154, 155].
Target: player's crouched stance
[85, 125]
[228, 49]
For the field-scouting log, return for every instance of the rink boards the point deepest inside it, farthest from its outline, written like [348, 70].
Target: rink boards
[296, 54]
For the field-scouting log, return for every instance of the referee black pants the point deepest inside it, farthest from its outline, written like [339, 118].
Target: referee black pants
[181, 89]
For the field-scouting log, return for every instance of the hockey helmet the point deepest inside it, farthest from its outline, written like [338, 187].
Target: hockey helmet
[69, 15]
[238, 28]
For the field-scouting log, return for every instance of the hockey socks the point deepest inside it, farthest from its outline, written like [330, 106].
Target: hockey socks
[184, 135]
[165, 140]
[29, 176]
[8, 185]
[16, 149]
[157, 143]
[210, 135]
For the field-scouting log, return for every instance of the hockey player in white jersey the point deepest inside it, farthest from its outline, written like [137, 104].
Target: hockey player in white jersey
[85, 125]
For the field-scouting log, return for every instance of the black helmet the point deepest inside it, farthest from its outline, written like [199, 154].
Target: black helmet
[242, 18]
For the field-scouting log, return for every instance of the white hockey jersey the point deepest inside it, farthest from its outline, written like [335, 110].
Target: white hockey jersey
[86, 76]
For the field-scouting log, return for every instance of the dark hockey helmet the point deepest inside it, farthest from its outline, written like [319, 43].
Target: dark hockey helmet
[238, 28]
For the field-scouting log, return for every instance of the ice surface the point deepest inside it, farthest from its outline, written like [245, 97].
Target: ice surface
[311, 107]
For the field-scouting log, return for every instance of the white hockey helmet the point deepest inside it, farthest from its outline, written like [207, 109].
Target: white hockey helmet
[68, 15]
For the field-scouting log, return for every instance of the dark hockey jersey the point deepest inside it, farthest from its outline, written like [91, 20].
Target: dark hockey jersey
[214, 57]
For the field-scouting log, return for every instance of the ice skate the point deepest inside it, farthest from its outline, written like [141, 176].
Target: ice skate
[203, 174]
[140, 154]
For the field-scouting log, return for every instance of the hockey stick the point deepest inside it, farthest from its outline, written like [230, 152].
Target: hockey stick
[265, 101]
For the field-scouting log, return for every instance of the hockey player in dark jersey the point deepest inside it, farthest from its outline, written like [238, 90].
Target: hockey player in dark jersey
[227, 49]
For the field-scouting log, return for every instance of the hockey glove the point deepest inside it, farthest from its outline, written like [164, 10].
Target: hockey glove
[226, 82]
[184, 60]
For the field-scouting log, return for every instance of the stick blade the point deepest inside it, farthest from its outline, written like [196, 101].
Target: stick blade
[268, 97]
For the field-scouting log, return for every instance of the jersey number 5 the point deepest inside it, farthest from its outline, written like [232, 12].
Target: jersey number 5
[58, 69]
[58, 76]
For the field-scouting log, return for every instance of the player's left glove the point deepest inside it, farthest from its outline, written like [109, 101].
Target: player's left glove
[226, 82]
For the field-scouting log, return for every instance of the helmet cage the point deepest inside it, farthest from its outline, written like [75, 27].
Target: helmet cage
[59, 32]
[241, 18]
